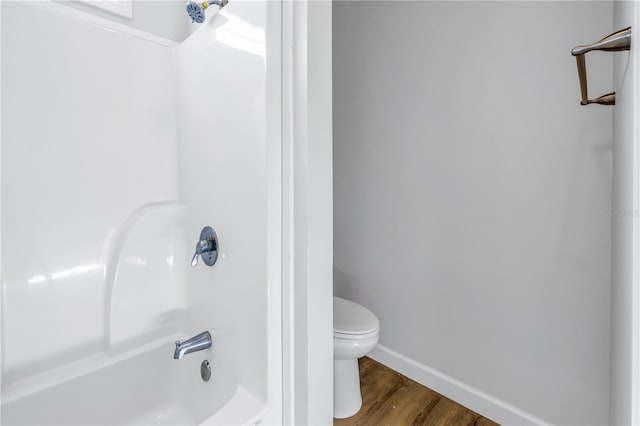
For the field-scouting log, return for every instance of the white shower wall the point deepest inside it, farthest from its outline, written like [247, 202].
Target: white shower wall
[223, 140]
[88, 137]
[117, 148]
[159, 17]
[472, 199]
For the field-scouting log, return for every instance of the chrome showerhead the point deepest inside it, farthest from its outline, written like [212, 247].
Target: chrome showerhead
[196, 10]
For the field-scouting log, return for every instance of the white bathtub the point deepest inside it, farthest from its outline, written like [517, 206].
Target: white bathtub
[142, 387]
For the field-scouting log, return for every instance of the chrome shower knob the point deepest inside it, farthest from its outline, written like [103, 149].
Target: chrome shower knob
[206, 247]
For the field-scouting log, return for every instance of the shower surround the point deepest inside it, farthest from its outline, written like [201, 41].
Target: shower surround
[118, 147]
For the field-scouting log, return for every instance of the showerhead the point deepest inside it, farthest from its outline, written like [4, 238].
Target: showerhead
[196, 10]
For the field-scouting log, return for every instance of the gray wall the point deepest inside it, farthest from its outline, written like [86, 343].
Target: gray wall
[472, 194]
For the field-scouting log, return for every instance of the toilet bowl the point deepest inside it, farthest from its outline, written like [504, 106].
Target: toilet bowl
[355, 333]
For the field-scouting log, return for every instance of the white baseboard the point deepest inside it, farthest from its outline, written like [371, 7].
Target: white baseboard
[472, 398]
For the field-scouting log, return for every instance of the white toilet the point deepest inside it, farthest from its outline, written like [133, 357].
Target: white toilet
[355, 333]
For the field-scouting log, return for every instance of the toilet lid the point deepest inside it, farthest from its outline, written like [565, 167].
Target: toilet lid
[351, 318]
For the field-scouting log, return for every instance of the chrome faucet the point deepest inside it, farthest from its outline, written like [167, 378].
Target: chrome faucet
[196, 343]
[206, 247]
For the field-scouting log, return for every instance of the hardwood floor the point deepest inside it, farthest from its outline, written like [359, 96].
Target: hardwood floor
[389, 398]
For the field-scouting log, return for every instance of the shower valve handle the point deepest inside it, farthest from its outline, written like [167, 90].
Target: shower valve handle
[206, 247]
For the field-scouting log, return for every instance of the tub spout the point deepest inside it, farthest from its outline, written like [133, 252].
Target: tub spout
[196, 343]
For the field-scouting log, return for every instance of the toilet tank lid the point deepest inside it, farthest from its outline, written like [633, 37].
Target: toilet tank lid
[351, 318]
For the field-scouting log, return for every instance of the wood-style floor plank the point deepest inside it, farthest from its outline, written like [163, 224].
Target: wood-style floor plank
[391, 399]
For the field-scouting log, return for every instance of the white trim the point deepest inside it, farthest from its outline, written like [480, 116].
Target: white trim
[472, 398]
[273, 34]
[319, 211]
[288, 289]
[307, 213]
